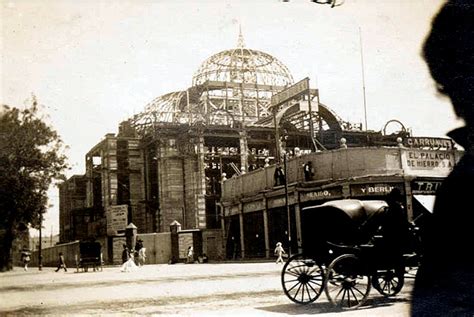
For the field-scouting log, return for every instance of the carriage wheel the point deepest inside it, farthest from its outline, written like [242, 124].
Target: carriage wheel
[302, 279]
[346, 286]
[388, 282]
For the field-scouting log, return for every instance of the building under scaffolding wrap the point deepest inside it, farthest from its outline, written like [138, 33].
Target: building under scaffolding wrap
[168, 162]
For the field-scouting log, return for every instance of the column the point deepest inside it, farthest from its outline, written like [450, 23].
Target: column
[200, 210]
[241, 225]
[409, 199]
[298, 227]
[243, 151]
[265, 233]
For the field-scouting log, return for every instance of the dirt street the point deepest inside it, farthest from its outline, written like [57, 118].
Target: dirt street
[227, 289]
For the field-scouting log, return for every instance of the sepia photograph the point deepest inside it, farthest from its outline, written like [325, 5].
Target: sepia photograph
[236, 158]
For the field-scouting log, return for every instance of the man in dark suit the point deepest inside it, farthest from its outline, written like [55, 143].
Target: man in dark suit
[444, 284]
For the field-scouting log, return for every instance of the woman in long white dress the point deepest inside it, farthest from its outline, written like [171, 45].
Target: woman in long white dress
[130, 265]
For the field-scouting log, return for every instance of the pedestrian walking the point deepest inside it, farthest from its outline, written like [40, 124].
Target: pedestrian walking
[138, 246]
[61, 263]
[190, 255]
[141, 256]
[129, 265]
[25, 258]
[279, 251]
[125, 254]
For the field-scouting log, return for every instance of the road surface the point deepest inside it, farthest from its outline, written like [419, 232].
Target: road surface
[224, 289]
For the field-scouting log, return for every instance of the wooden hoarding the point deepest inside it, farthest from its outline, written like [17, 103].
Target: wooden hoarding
[185, 241]
[117, 217]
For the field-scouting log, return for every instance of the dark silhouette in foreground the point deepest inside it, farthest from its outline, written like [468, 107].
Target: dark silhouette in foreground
[394, 229]
[444, 283]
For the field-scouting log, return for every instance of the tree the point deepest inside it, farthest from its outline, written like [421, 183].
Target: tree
[31, 158]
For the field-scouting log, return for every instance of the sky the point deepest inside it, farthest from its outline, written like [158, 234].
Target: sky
[93, 64]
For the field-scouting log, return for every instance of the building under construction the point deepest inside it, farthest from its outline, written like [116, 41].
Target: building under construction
[169, 162]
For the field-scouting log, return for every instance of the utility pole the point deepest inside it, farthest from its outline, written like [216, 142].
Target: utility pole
[363, 78]
[287, 205]
[40, 257]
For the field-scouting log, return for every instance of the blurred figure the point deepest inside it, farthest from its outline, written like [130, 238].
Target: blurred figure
[279, 251]
[142, 256]
[138, 246]
[61, 263]
[190, 255]
[129, 265]
[25, 258]
[267, 162]
[308, 171]
[394, 230]
[444, 284]
[395, 223]
[279, 176]
[125, 254]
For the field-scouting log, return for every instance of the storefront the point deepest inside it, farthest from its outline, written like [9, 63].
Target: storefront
[417, 173]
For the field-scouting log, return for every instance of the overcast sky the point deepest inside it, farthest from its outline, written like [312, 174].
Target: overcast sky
[93, 64]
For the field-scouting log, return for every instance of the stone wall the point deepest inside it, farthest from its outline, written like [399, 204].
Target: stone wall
[50, 255]
[158, 247]
[213, 244]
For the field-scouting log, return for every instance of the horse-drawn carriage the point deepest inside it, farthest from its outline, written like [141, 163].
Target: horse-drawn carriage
[345, 256]
[90, 256]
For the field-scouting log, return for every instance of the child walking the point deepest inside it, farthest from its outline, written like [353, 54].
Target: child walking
[279, 251]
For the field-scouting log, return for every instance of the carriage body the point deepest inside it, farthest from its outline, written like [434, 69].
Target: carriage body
[90, 256]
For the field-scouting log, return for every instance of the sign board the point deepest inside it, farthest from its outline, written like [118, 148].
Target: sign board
[377, 189]
[428, 143]
[117, 217]
[425, 187]
[427, 201]
[280, 201]
[428, 162]
[291, 92]
[254, 206]
[321, 194]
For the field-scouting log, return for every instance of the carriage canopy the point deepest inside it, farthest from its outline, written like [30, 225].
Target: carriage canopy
[346, 221]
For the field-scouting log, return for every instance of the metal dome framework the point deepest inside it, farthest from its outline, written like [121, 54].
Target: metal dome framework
[239, 83]
[232, 88]
[242, 65]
